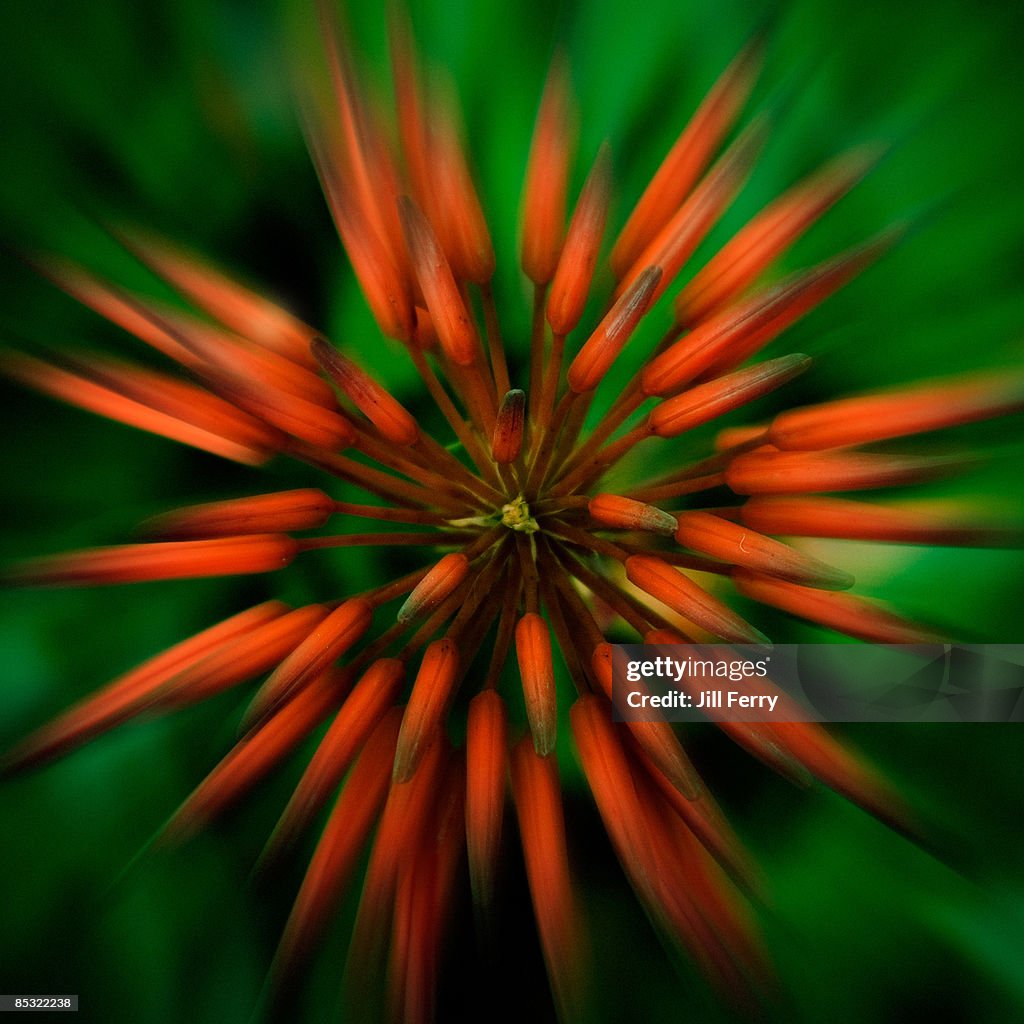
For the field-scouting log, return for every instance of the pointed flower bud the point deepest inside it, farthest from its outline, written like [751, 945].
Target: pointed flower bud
[431, 693]
[537, 671]
[303, 509]
[626, 514]
[509, 428]
[441, 581]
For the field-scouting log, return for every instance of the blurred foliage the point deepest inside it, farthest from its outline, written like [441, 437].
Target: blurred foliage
[178, 116]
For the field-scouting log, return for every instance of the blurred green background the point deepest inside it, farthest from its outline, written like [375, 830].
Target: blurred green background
[178, 116]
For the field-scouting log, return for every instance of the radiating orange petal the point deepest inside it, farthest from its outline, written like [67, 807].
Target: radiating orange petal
[626, 514]
[369, 397]
[537, 671]
[136, 563]
[687, 158]
[910, 410]
[283, 511]
[431, 692]
[538, 805]
[547, 176]
[486, 768]
[708, 401]
[739, 545]
[845, 613]
[509, 428]
[440, 582]
[679, 592]
[602, 348]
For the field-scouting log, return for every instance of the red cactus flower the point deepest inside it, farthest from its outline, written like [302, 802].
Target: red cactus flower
[523, 543]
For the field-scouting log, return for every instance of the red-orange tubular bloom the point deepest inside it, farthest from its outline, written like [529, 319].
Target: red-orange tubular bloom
[517, 546]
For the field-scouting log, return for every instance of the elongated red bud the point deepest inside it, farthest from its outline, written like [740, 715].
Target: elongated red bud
[708, 401]
[331, 638]
[602, 348]
[486, 768]
[742, 546]
[679, 592]
[454, 326]
[626, 514]
[775, 472]
[509, 428]
[861, 520]
[575, 271]
[910, 410]
[431, 693]
[372, 400]
[756, 246]
[303, 509]
[687, 158]
[441, 581]
[137, 563]
[537, 671]
[547, 175]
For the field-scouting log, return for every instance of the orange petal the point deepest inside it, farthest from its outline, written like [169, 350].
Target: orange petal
[537, 671]
[372, 400]
[486, 741]
[254, 756]
[912, 410]
[136, 563]
[668, 585]
[343, 838]
[602, 348]
[509, 428]
[130, 693]
[538, 805]
[328, 641]
[626, 514]
[571, 284]
[439, 582]
[687, 158]
[775, 472]
[756, 246]
[431, 693]
[845, 613]
[708, 401]
[547, 176]
[363, 709]
[302, 509]
[740, 545]
[451, 319]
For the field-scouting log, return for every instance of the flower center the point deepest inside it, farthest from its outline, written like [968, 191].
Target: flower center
[516, 516]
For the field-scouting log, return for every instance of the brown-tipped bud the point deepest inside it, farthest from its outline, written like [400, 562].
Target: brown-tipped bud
[359, 716]
[717, 397]
[340, 844]
[486, 767]
[509, 428]
[331, 638]
[755, 247]
[537, 671]
[431, 693]
[372, 400]
[538, 803]
[132, 692]
[451, 319]
[861, 520]
[679, 238]
[547, 175]
[441, 581]
[668, 585]
[175, 560]
[845, 613]
[602, 348]
[303, 509]
[253, 757]
[582, 244]
[911, 410]
[212, 425]
[742, 546]
[775, 472]
[685, 162]
[626, 514]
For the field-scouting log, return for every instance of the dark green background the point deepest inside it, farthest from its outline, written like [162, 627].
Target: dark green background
[178, 116]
